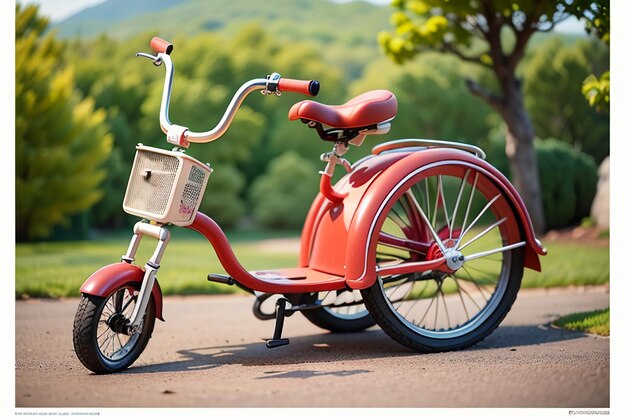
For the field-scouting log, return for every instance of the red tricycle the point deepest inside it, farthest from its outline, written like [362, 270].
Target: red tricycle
[423, 238]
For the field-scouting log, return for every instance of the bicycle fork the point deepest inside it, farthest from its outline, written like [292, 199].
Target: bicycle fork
[153, 264]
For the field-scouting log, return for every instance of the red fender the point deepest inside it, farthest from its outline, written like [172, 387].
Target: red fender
[110, 277]
[338, 239]
[325, 232]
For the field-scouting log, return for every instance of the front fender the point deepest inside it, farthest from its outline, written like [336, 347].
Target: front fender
[102, 282]
[340, 238]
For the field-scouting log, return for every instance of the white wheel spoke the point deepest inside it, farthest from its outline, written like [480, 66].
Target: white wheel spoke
[458, 201]
[476, 284]
[458, 288]
[443, 202]
[483, 233]
[469, 203]
[464, 232]
[445, 306]
[493, 251]
[430, 226]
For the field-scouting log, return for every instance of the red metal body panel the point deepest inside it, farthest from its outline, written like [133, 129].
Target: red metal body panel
[310, 224]
[279, 281]
[323, 247]
[102, 282]
[340, 239]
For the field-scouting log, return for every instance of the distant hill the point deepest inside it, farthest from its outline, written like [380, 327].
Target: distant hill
[345, 33]
[122, 18]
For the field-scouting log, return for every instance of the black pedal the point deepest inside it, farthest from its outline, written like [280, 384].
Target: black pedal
[221, 279]
[277, 340]
[272, 343]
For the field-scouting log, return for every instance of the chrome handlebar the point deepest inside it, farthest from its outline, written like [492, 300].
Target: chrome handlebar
[181, 135]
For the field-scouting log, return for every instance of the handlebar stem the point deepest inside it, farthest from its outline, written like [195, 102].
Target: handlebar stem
[227, 118]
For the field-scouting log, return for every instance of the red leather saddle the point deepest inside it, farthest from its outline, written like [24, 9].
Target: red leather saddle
[366, 109]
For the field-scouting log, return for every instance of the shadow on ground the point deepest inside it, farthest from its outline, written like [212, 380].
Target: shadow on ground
[331, 347]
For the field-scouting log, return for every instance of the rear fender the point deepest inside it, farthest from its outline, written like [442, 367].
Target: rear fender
[105, 280]
[325, 232]
[339, 238]
[371, 212]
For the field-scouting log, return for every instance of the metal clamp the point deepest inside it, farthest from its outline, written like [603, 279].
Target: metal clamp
[176, 135]
[271, 85]
[334, 157]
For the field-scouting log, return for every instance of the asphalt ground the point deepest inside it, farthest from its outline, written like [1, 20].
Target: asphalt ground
[210, 353]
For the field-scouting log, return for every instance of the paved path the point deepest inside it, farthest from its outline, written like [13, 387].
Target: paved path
[209, 353]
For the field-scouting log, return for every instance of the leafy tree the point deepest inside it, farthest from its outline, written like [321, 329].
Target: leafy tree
[61, 141]
[557, 109]
[493, 34]
[596, 15]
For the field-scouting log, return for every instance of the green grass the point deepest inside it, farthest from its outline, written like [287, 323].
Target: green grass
[596, 322]
[570, 264]
[57, 269]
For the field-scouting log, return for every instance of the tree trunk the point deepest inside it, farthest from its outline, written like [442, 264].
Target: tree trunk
[520, 150]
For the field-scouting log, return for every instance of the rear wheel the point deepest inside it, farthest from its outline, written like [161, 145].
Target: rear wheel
[341, 311]
[455, 214]
[100, 341]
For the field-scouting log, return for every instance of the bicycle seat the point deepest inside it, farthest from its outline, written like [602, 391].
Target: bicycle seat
[366, 109]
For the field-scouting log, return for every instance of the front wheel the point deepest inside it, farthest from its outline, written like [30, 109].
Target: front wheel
[100, 341]
[453, 213]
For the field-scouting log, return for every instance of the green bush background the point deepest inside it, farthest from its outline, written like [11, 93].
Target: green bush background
[265, 166]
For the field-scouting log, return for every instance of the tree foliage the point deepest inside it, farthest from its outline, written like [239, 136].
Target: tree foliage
[476, 33]
[282, 196]
[209, 69]
[433, 103]
[596, 15]
[551, 73]
[493, 34]
[61, 140]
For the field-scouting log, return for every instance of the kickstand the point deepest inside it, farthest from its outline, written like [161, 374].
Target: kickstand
[277, 340]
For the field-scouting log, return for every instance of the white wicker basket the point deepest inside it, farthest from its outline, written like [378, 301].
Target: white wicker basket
[165, 186]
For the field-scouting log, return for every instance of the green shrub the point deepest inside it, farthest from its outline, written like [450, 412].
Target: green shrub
[221, 199]
[568, 178]
[281, 197]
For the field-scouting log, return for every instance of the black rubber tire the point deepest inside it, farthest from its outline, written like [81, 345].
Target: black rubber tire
[85, 336]
[324, 319]
[377, 305]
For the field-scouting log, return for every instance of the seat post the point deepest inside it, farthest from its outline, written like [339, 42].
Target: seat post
[332, 159]
[336, 156]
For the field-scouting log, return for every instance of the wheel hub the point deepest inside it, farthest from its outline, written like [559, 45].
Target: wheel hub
[454, 258]
[118, 323]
